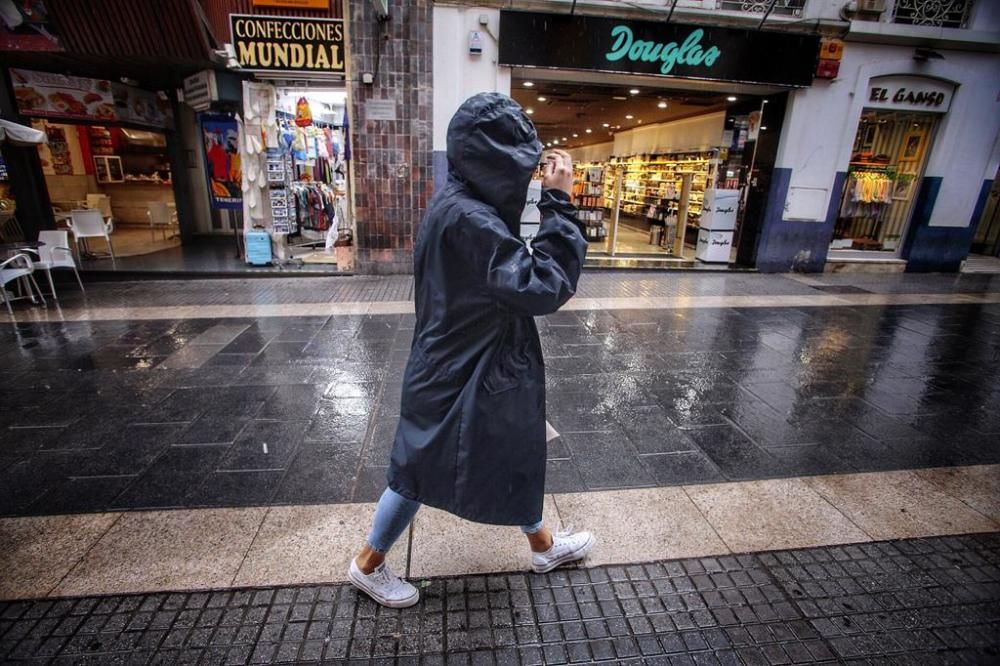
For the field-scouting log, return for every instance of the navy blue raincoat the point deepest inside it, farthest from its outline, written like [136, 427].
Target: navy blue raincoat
[471, 435]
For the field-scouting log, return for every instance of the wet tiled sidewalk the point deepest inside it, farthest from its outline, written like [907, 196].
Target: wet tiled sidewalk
[919, 601]
[593, 284]
[110, 415]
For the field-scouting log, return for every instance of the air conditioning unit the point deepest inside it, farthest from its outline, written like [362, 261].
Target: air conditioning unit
[871, 6]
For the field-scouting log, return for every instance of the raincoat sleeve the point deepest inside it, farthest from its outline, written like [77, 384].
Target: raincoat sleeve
[530, 283]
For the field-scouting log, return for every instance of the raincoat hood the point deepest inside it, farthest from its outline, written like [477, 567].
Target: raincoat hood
[494, 150]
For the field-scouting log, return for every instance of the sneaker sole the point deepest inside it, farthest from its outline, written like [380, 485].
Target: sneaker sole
[567, 558]
[388, 603]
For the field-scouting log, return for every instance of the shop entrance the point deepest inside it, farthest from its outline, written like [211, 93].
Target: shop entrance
[987, 239]
[887, 163]
[662, 174]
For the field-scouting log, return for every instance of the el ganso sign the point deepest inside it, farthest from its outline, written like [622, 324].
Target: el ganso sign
[286, 44]
[562, 41]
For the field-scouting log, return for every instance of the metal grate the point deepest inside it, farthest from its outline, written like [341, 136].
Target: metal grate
[781, 7]
[941, 13]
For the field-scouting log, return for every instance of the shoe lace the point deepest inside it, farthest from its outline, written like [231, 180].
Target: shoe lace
[566, 531]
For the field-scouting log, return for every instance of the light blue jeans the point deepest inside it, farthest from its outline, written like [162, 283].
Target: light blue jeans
[394, 513]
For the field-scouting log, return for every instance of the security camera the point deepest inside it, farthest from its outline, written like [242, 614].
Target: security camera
[228, 55]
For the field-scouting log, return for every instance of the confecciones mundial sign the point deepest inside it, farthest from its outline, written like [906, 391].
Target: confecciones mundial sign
[286, 44]
[561, 41]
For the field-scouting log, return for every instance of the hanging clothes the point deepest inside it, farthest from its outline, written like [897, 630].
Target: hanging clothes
[315, 205]
[866, 193]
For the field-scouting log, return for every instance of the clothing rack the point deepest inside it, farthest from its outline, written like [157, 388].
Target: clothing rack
[285, 116]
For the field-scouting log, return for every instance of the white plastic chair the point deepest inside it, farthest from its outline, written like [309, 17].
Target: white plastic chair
[90, 224]
[101, 202]
[160, 215]
[17, 267]
[55, 253]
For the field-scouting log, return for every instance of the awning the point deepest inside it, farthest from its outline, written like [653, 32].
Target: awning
[21, 135]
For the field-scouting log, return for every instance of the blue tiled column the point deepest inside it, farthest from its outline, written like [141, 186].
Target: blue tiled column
[792, 245]
[930, 249]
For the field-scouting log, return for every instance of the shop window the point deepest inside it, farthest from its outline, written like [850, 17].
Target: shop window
[888, 158]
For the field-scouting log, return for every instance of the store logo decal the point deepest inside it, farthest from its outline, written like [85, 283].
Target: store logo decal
[689, 52]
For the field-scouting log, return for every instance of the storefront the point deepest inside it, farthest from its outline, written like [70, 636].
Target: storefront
[673, 127]
[888, 167]
[292, 137]
[107, 150]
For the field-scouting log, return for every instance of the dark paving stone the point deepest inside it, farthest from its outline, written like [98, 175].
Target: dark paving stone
[320, 472]
[736, 455]
[80, 495]
[264, 445]
[604, 461]
[672, 469]
[651, 431]
[562, 476]
[235, 488]
[171, 477]
[213, 429]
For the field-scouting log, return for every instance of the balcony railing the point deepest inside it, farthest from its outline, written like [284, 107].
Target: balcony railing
[781, 7]
[942, 13]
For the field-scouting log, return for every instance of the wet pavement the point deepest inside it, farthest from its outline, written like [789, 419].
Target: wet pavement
[205, 412]
[917, 601]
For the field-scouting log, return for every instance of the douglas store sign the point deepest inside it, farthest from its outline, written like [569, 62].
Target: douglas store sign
[560, 41]
[279, 44]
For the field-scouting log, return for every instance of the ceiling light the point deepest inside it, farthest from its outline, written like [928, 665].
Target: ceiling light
[549, 144]
[555, 141]
[529, 84]
[588, 130]
[529, 111]
[731, 98]
[575, 135]
[542, 99]
[619, 97]
[634, 91]
[629, 116]
[564, 139]
[640, 121]
[762, 128]
[662, 105]
[606, 125]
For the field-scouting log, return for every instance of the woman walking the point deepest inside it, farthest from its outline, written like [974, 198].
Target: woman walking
[471, 435]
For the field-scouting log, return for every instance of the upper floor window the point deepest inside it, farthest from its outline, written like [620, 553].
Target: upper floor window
[942, 13]
[781, 7]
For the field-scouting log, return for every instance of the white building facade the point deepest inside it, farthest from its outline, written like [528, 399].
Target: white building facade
[888, 165]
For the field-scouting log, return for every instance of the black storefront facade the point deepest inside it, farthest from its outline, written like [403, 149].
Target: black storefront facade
[752, 70]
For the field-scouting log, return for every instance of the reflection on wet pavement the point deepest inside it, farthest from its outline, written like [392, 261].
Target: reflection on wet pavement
[201, 412]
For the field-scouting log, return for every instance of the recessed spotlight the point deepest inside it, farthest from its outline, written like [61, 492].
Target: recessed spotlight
[634, 91]
[529, 111]
[629, 116]
[555, 141]
[763, 127]
[529, 84]
[565, 139]
[542, 99]
[662, 105]
[606, 125]
[589, 130]
[575, 136]
[639, 121]
[619, 98]
[731, 98]
[549, 144]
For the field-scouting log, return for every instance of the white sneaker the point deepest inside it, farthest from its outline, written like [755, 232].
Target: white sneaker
[384, 586]
[566, 548]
